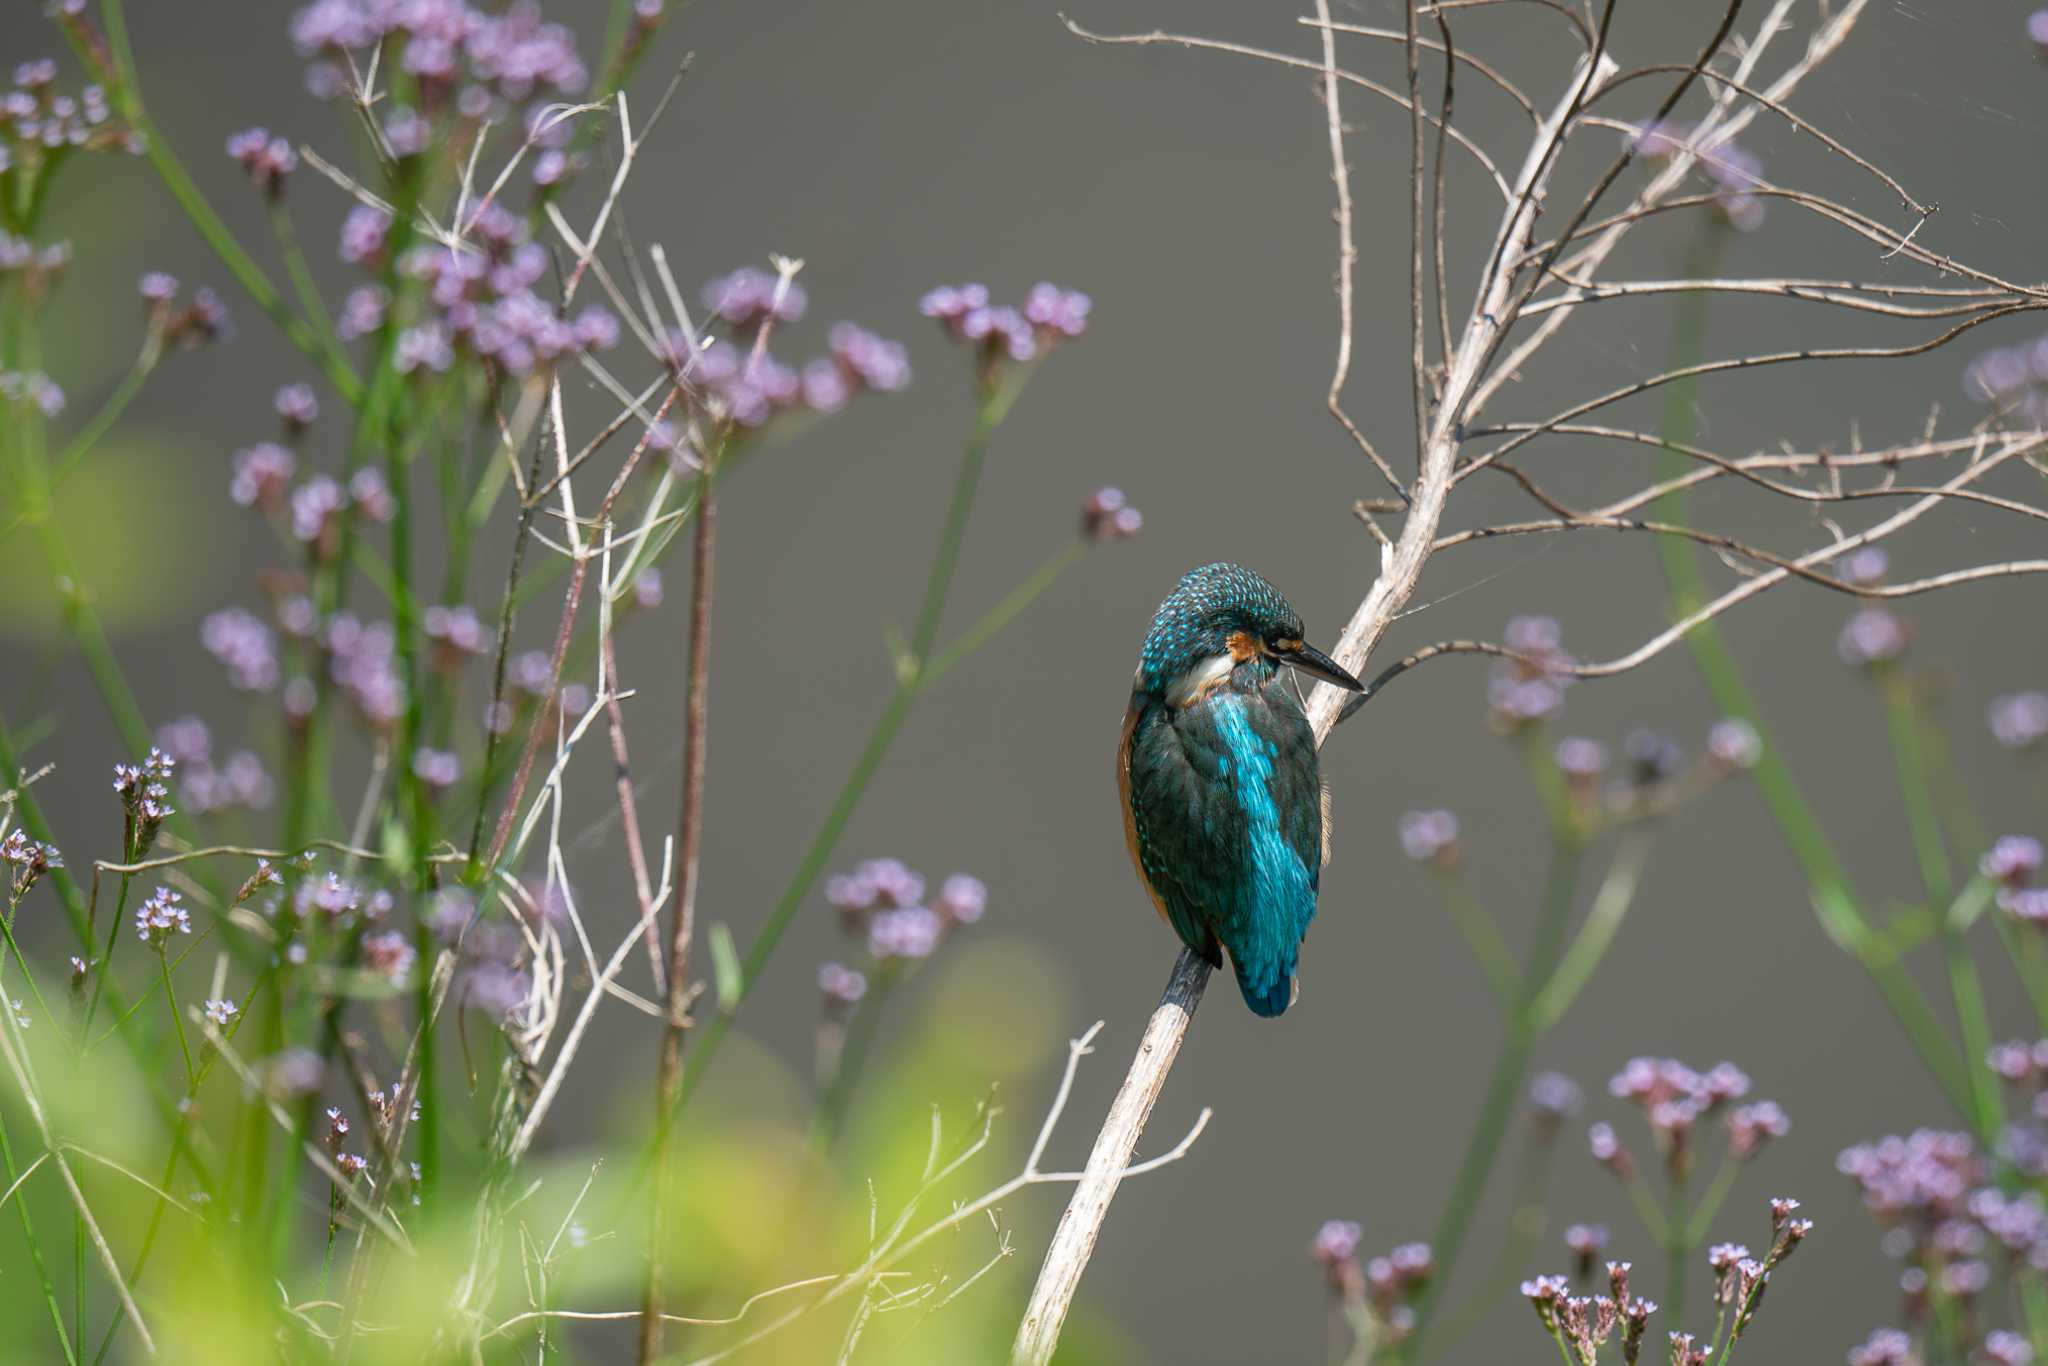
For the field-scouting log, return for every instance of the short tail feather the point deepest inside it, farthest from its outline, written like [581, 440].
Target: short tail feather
[1272, 998]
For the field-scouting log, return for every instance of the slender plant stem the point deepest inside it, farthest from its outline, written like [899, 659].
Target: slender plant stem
[163, 963]
[853, 1056]
[110, 412]
[1482, 935]
[35, 1248]
[689, 859]
[1902, 718]
[1503, 1087]
[940, 581]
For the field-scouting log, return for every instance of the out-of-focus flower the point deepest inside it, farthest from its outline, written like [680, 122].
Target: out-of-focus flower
[2012, 860]
[362, 312]
[1431, 836]
[2019, 720]
[1581, 760]
[261, 474]
[1864, 566]
[1733, 170]
[2012, 379]
[220, 1012]
[389, 954]
[437, 769]
[908, 932]
[1555, 1097]
[962, 899]
[1529, 689]
[1872, 638]
[1751, 1126]
[266, 160]
[751, 296]
[840, 987]
[297, 405]
[1733, 746]
[1106, 516]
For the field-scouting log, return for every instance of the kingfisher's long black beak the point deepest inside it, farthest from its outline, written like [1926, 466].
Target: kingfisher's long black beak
[1316, 664]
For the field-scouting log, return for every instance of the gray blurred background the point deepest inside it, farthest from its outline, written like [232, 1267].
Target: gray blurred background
[894, 147]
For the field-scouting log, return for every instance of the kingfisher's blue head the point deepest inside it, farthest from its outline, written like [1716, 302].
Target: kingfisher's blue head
[1218, 619]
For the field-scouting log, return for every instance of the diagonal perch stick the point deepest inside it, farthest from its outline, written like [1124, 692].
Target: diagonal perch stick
[1073, 1241]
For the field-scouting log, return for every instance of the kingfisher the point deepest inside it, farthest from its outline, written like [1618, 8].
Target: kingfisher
[1225, 811]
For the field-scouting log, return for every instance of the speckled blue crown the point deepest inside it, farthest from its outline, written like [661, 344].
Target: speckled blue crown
[1200, 614]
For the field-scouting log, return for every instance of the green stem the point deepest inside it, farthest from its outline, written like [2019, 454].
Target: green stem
[1525, 1229]
[1504, 1086]
[1610, 905]
[35, 1248]
[1702, 1220]
[955, 530]
[320, 323]
[1973, 1016]
[1482, 935]
[110, 412]
[1903, 722]
[1678, 1254]
[163, 963]
[853, 1056]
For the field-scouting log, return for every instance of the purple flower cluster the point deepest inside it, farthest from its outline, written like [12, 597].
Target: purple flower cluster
[1107, 516]
[362, 660]
[37, 121]
[1733, 746]
[1431, 837]
[1387, 1285]
[2037, 32]
[491, 975]
[160, 917]
[1674, 1099]
[2013, 379]
[1582, 1324]
[267, 161]
[203, 320]
[239, 782]
[245, 647]
[1733, 170]
[27, 860]
[1554, 1098]
[145, 793]
[1872, 638]
[1000, 334]
[2012, 862]
[478, 62]
[1529, 690]
[1955, 1227]
[297, 406]
[437, 769]
[2019, 721]
[390, 955]
[750, 390]
[32, 387]
[840, 988]
[458, 634]
[481, 296]
[883, 902]
[751, 297]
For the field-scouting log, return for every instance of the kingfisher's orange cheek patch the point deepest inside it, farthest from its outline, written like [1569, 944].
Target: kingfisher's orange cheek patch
[1243, 646]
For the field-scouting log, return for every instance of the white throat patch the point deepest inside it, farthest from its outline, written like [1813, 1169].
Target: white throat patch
[1192, 685]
